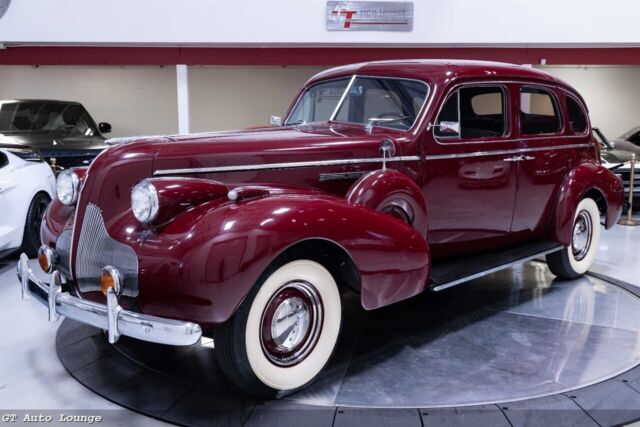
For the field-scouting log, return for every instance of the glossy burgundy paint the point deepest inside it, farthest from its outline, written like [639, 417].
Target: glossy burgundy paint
[177, 195]
[382, 190]
[202, 262]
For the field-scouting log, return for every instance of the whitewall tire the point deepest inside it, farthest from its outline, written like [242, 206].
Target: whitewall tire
[578, 257]
[284, 332]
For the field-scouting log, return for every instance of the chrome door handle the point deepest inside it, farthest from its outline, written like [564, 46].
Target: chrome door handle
[513, 159]
[528, 158]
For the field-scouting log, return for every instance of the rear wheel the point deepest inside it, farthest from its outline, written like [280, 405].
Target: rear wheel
[284, 332]
[577, 258]
[31, 236]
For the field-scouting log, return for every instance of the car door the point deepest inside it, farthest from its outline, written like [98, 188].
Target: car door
[468, 186]
[548, 142]
[6, 226]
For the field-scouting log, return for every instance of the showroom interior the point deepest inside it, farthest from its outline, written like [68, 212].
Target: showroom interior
[190, 236]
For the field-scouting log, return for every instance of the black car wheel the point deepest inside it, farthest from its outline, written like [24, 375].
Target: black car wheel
[31, 237]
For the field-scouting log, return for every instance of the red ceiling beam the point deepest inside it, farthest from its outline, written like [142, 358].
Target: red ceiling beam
[321, 56]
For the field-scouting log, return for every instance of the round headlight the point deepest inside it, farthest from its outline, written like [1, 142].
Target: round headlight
[144, 202]
[67, 187]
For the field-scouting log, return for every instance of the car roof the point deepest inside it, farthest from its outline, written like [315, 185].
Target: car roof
[439, 70]
[25, 100]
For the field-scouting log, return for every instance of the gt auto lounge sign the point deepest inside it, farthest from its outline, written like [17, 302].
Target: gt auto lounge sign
[369, 16]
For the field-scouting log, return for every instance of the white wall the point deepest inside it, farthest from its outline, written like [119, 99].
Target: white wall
[135, 100]
[295, 22]
[612, 95]
[225, 98]
[142, 100]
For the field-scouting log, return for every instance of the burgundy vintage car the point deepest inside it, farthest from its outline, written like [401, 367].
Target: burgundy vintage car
[387, 178]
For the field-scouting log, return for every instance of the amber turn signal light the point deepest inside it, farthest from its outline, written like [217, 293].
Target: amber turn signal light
[46, 259]
[110, 278]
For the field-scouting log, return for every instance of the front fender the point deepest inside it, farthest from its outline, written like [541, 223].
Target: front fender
[387, 190]
[581, 180]
[202, 265]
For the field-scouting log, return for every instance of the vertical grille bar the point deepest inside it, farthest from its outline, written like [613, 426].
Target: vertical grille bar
[96, 249]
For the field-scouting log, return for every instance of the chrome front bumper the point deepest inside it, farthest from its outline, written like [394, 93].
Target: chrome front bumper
[110, 317]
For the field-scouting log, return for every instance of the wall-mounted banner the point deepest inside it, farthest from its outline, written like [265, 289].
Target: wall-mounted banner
[369, 16]
[4, 5]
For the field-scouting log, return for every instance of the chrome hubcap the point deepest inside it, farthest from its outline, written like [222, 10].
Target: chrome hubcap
[291, 323]
[582, 231]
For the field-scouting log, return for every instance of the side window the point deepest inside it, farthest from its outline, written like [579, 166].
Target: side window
[538, 112]
[473, 112]
[3, 160]
[635, 138]
[577, 119]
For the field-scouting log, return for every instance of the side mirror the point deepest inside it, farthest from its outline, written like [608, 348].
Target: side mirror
[612, 144]
[104, 127]
[449, 128]
[275, 120]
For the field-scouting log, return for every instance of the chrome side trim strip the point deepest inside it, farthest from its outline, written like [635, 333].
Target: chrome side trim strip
[493, 270]
[503, 152]
[290, 165]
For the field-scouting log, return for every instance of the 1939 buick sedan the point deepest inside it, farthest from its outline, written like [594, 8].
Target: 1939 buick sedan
[388, 178]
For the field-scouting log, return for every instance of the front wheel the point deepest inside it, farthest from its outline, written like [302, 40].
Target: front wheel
[284, 332]
[577, 258]
[31, 236]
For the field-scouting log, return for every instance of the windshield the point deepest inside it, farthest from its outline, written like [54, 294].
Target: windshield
[392, 103]
[45, 117]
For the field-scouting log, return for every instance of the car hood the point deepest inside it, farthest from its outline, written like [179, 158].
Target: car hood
[263, 146]
[48, 142]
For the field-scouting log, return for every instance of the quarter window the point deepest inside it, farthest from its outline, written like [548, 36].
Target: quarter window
[473, 112]
[577, 119]
[538, 112]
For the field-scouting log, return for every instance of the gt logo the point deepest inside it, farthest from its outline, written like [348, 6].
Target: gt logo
[348, 14]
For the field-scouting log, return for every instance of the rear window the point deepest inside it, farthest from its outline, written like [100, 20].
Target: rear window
[538, 112]
[577, 118]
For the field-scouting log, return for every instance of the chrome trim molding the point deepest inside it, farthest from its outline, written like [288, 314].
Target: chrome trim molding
[341, 100]
[324, 177]
[493, 270]
[503, 152]
[289, 165]
[111, 317]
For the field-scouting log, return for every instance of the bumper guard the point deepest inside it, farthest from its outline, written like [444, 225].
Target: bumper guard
[110, 317]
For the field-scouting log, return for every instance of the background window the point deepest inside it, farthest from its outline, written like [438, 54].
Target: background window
[538, 112]
[473, 112]
[577, 119]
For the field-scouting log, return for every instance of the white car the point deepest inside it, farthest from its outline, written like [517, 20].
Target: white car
[27, 185]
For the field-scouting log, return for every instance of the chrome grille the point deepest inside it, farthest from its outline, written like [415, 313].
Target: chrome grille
[63, 250]
[96, 250]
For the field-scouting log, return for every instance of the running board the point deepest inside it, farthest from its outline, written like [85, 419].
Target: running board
[451, 272]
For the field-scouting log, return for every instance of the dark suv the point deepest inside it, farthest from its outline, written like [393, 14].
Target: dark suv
[64, 132]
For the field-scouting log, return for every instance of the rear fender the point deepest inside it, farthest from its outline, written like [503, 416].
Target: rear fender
[586, 178]
[203, 263]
